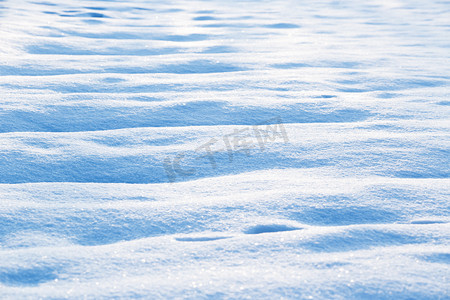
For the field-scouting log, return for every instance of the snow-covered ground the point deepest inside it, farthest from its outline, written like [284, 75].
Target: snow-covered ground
[224, 149]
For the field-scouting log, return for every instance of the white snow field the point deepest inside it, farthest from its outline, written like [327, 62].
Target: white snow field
[224, 149]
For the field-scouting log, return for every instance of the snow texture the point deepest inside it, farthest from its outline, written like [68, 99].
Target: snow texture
[224, 149]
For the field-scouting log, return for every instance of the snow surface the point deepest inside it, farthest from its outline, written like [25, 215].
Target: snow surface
[224, 149]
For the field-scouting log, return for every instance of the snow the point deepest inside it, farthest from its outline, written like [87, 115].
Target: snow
[224, 149]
